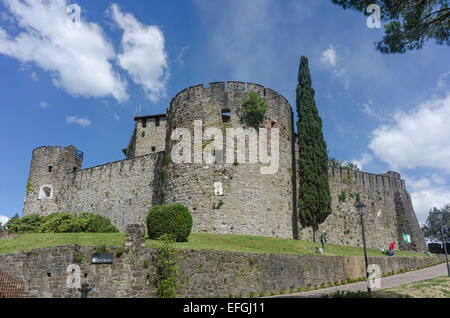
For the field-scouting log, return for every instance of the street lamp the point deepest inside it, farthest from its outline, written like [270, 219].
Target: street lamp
[443, 241]
[361, 209]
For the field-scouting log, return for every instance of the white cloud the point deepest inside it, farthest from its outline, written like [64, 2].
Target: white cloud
[426, 194]
[143, 56]
[43, 105]
[366, 159]
[34, 77]
[368, 109]
[76, 57]
[181, 52]
[419, 138]
[83, 122]
[329, 57]
[116, 116]
[3, 219]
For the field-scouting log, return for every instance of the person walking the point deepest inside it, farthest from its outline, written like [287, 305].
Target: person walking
[323, 240]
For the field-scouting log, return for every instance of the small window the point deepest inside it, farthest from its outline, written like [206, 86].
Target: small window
[144, 123]
[226, 115]
[50, 169]
[157, 122]
[74, 169]
[45, 192]
[153, 149]
[273, 124]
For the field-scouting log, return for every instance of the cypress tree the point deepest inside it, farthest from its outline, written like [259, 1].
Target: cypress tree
[314, 201]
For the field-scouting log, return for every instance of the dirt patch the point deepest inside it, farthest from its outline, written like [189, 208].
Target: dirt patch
[9, 236]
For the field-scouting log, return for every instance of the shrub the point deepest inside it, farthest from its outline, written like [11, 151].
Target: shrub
[171, 219]
[27, 224]
[166, 268]
[253, 109]
[95, 223]
[61, 223]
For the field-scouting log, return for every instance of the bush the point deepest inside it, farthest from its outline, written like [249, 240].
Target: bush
[27, 224]
[98, 224]
[166, 268]
[171, 219]
[61, 223]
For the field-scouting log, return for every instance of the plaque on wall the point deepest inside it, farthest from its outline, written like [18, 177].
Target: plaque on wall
[103, 258]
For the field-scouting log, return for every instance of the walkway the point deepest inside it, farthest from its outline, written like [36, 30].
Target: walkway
[386, 282]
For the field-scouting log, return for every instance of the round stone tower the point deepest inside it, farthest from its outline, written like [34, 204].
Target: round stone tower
[49, 166]
[223, 196]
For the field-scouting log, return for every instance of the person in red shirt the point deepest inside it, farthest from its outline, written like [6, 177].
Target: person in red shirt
[391, 249]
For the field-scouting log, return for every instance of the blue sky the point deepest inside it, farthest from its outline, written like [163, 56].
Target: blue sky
[81, 86]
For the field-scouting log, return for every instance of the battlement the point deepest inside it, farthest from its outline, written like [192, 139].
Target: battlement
[384, 182]
[55, 149]
[228, 89]
[122, 166]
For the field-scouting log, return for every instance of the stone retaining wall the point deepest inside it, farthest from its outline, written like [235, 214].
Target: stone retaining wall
[202, 273]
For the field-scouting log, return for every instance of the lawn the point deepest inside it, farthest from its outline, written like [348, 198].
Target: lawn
[240, 243]
[437, 287]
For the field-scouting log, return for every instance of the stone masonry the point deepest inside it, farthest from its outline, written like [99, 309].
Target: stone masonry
[250, 202]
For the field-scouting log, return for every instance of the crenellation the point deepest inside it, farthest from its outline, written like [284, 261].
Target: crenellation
[253, 203]
[259, 89]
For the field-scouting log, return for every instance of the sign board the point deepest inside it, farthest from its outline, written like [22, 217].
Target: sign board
[406, 238]
[104, 258]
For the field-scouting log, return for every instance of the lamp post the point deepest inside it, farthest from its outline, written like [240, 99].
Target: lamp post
[361, 209]
[84, 290]
[443, 241]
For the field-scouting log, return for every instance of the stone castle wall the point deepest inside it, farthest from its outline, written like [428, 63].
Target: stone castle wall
[201, 273]
[122, 191]
[149, 136]
[253, 203]
[384, 222]
[49, 166]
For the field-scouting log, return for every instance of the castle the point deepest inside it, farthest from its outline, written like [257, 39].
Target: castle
[248, 202]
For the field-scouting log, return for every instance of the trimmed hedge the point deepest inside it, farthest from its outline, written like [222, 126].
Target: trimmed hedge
[171, 219]
[61, 223]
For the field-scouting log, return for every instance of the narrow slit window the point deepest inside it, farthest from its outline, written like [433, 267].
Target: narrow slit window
[157, 122]
[50, 169]
[144, 123]
[153, 149]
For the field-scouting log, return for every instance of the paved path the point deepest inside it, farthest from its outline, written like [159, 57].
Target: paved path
[386, 282]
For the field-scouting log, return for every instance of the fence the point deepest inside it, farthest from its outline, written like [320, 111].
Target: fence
[10, 287]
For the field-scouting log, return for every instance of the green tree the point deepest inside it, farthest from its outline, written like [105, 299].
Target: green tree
[253, 109]
[314, 193]
[408, 24]
[432, 228]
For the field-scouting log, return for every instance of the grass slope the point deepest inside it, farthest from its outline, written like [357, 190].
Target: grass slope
[239, 243]
[437, 287]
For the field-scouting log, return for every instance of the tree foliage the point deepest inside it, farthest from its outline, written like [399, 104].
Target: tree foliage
[408, 24]
[335, 163]
[253, 109]
[314, 193]
[432, 228]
